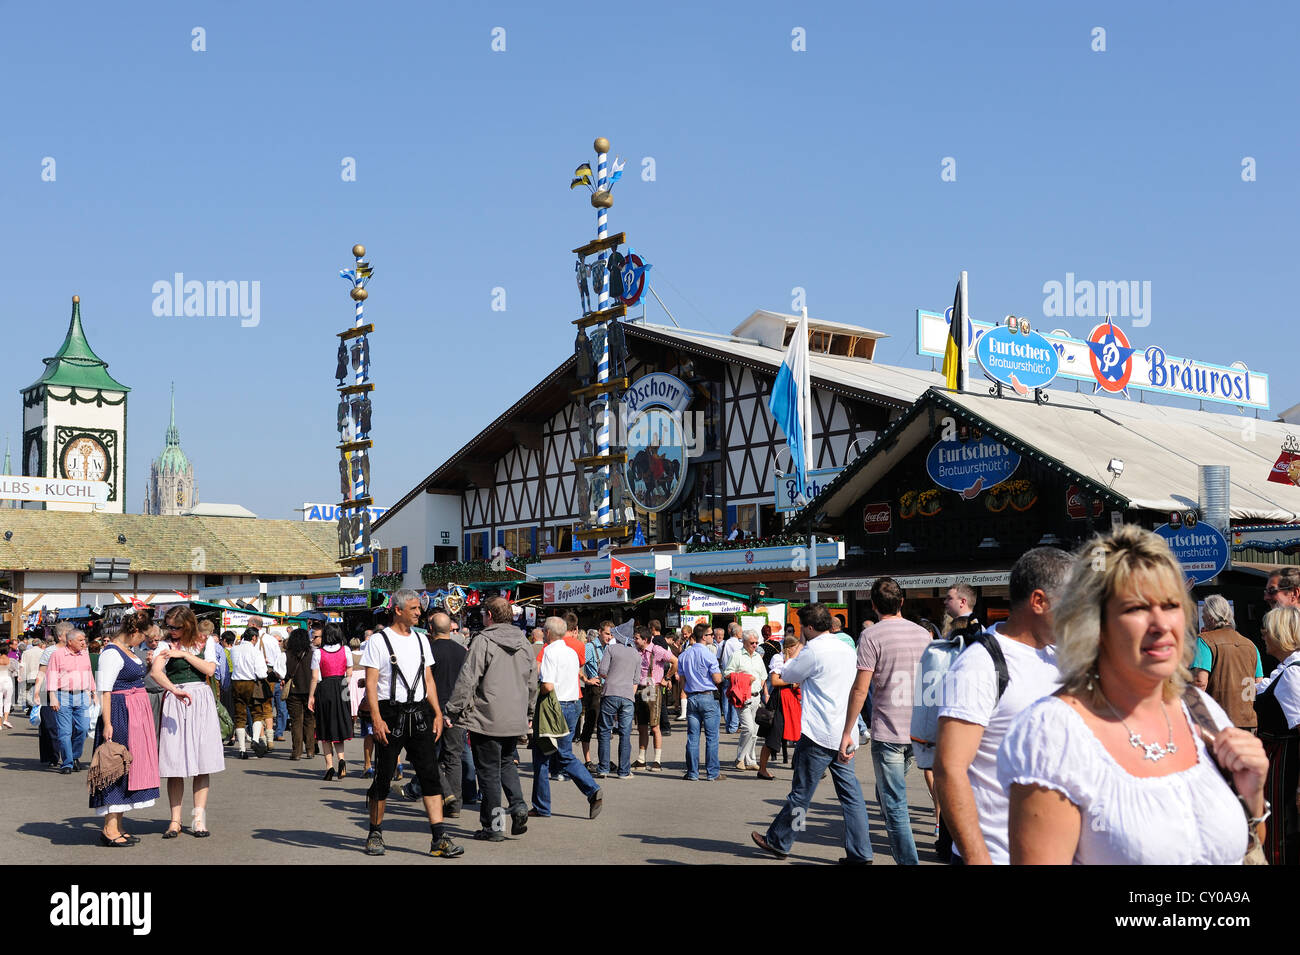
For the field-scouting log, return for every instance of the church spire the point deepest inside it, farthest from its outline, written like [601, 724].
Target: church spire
[173, 434]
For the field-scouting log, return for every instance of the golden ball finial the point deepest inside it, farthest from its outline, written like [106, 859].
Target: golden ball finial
[601, 145]
[359, 294]
[359, 251]
[76, 299]
[602, 200]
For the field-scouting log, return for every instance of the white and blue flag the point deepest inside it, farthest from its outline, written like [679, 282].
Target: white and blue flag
[790, 403]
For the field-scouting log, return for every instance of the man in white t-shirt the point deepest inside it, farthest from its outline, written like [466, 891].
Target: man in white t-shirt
[825, 669]
[974, 717]
[404, 708]
[559, 674]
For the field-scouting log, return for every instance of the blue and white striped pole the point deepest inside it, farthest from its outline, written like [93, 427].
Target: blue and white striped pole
[602, 368]
[359, 277]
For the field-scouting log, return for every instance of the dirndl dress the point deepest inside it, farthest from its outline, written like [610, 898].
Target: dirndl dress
[132, 720]
[189, 740]
[333, 715]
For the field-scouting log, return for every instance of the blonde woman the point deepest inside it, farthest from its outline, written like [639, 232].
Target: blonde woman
[1112, 768]
[1277, 704]
[189, 743]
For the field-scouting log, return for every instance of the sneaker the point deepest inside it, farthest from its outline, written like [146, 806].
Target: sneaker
[597, 774]
[375, 844]
[519, 823]
[489, 835]
[444, 848]
[450, 807]
[639, 764]
[689, 777]
[628, 776]
[714, 779]
[656, 767]
[594, 805]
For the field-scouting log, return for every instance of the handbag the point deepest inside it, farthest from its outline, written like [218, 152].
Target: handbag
[1201, 715]
[224, 720]
[764, 716]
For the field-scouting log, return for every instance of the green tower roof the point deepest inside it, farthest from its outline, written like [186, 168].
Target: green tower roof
[173, 458]
[75, 364]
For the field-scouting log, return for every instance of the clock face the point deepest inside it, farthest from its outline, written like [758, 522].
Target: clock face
[84, 459]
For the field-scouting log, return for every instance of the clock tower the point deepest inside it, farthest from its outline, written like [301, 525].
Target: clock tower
[74, 420]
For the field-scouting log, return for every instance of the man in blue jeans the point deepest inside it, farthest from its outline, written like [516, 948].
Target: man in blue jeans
[888, 658]
[71, 683]
[559, 673]
[618, 670]
[701, 677]
[824, 669]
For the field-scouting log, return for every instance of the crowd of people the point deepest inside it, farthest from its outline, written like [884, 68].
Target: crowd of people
[1063, 733]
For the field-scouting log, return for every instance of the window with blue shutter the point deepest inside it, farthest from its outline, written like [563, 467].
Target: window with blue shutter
[403, 558]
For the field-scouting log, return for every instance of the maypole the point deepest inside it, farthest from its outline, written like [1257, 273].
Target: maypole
[601, 145]
[353, 419]
[599, 351]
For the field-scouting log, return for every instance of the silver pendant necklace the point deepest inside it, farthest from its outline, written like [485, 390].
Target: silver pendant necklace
[1152, 751]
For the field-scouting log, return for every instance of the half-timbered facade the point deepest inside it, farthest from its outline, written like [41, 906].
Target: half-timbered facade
[518, 486]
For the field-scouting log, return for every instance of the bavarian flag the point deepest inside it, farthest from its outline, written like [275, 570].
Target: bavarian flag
[952, 351]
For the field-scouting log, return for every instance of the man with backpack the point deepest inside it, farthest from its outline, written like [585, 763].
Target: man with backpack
[1002, 671]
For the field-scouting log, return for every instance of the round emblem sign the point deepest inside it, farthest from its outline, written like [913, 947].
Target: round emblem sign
[656, 459]
[1110, 356]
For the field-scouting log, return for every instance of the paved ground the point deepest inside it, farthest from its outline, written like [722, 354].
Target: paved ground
[277, 810]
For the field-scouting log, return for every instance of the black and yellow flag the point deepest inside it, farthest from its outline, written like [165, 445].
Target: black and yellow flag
[952, 351]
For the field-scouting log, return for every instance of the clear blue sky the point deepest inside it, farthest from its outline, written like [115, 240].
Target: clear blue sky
[774, 169]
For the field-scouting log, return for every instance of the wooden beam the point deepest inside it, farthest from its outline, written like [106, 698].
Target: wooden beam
[600, 460]
[481, 474]
[530, 438]
[600, 533]
[356, 503]
[356, 389]
[614, 384]
[356, 445]
[356, 560]
[604, 315]
[356, 332]
[601, 245]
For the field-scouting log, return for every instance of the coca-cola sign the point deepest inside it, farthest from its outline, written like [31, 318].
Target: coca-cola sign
[876, 518]
[1076, 503]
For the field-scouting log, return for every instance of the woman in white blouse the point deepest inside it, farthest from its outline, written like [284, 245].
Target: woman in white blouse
[1112, 769]
[1277, 704]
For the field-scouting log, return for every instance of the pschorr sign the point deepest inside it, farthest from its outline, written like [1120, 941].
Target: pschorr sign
[1148, 367]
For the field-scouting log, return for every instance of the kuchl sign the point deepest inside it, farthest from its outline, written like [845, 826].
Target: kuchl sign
[53, 490]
